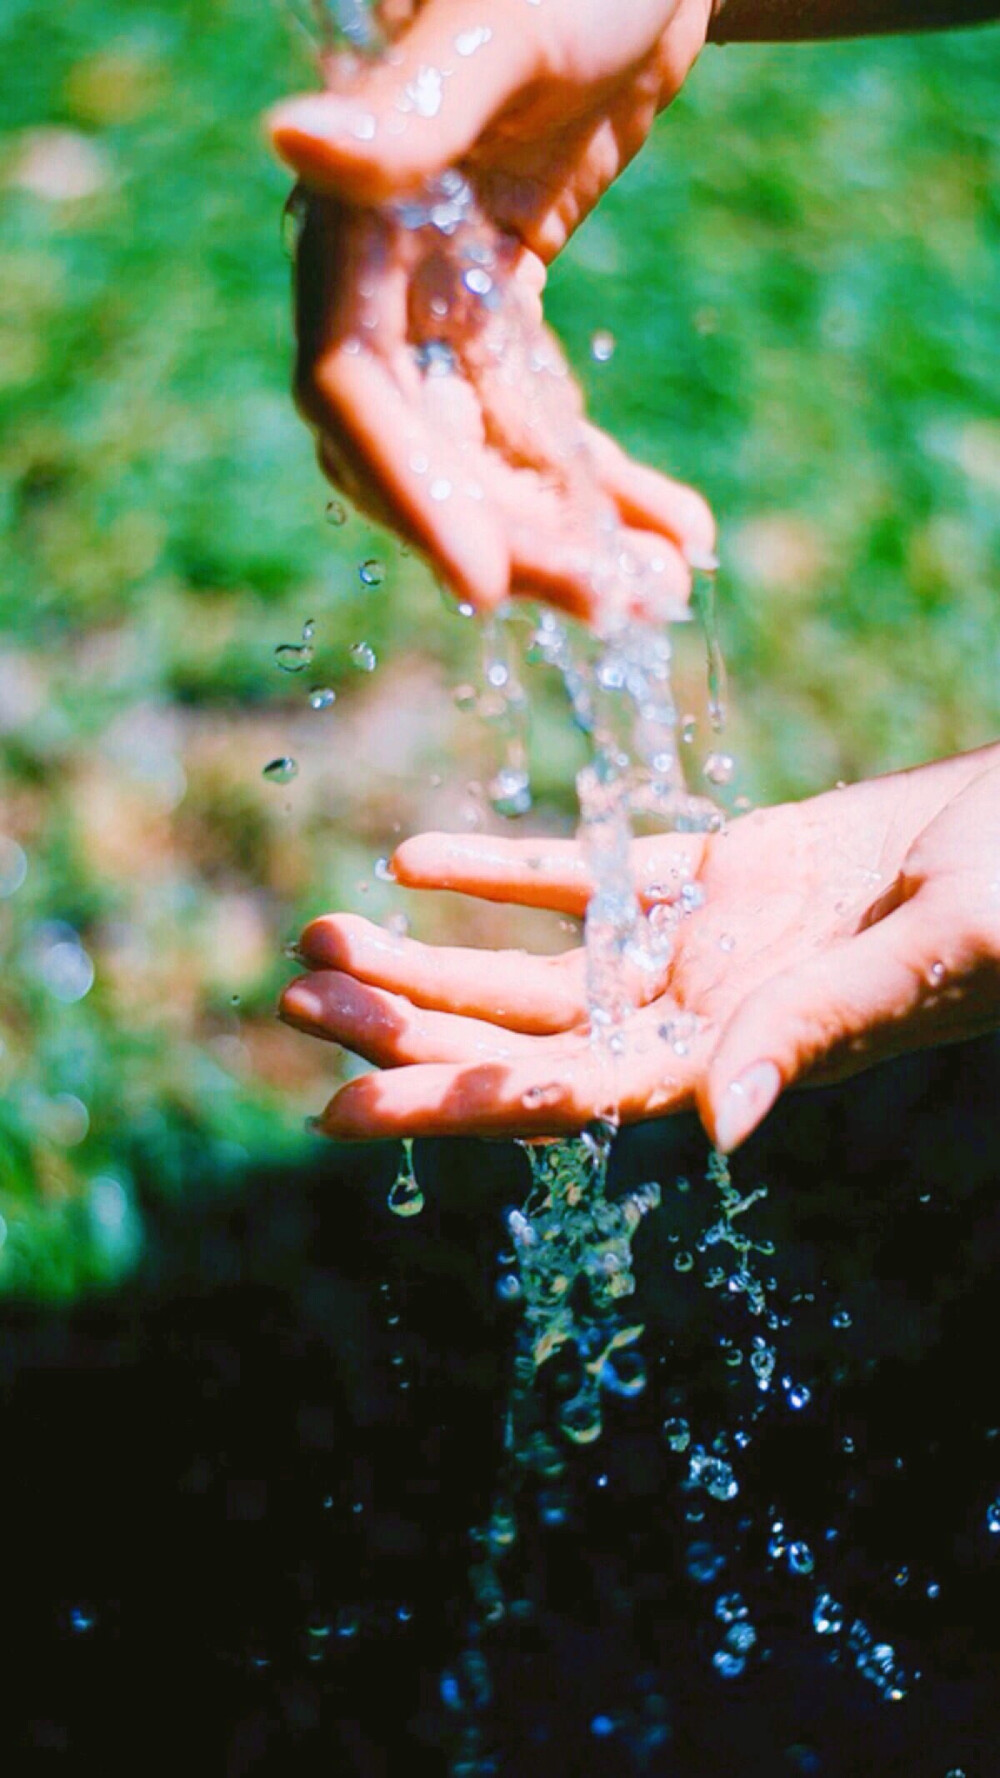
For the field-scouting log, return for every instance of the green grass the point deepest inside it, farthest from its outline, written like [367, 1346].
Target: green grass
[803, 277]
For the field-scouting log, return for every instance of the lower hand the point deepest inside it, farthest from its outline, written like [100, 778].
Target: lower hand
[833, 934]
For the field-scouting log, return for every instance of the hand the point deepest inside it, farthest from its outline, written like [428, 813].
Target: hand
[833, 934]
[441, 403]
[544, 102]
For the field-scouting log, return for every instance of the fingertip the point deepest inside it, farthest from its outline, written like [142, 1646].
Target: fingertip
[299, 1004]
[418, 860]
[324, 942]
[351, 1115]
[737, 1102]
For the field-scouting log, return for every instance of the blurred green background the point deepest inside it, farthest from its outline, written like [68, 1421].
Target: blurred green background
[802, 275]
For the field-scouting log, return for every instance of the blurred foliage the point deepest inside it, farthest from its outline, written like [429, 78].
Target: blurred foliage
[801, 274]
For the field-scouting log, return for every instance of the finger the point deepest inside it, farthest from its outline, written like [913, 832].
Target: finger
[417, 111]
[864, 999]
[520, 1098]
[534, 873]
[541, 873]
[386, 1029]
[535, 995]
[651, 501]
[645, 578]
[439, 506]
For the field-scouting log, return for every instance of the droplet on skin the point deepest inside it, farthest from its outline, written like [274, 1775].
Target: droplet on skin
[363, 127]
[936, 974]
[440, 489]
[322, 697]
[467, 42]
[281, 771]
[533, 1098]
[425, 91]
[479, 282]
[372, 572]
[363, 657]
[384, 871]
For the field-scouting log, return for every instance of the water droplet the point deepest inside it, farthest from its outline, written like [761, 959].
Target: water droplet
[602, 1726]
[478, 281]
[436, 359]
[322, 697]
[372, 572]
[719, 768]
[13, 867]
[993, 1517]
[580, 1418]
[741, 1638]
[730, 1608]
[509, 1288]
[510, 791]
[798, 1395]
[602, 346]
[406, 1197]
[800, 1558]
[727, 942]
[336, 513]
[828, 1616]
[704, 1563]
[440, 489]
[730, 1666]
[936, 974]
[714, 1475]
[683, 1262]
[534, 1097]
[292, 657]
[363, 657]
[81, 1621]
[384, 871]
[281, 771]
[677, 1433]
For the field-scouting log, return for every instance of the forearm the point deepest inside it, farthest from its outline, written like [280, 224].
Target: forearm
[775, 21]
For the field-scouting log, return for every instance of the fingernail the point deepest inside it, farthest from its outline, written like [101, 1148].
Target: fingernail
[299, 1005]
[321, 118]
[745, 1104]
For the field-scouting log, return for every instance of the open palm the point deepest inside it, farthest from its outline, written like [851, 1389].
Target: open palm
[810, 940]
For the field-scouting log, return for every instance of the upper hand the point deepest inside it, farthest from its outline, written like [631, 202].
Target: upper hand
[543, 101]
[833, 933]
[440, 401]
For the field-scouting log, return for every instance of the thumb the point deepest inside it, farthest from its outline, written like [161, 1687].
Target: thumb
[834, 1015]
[417, 111]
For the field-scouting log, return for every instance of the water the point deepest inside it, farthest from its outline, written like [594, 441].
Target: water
[569, 1268]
